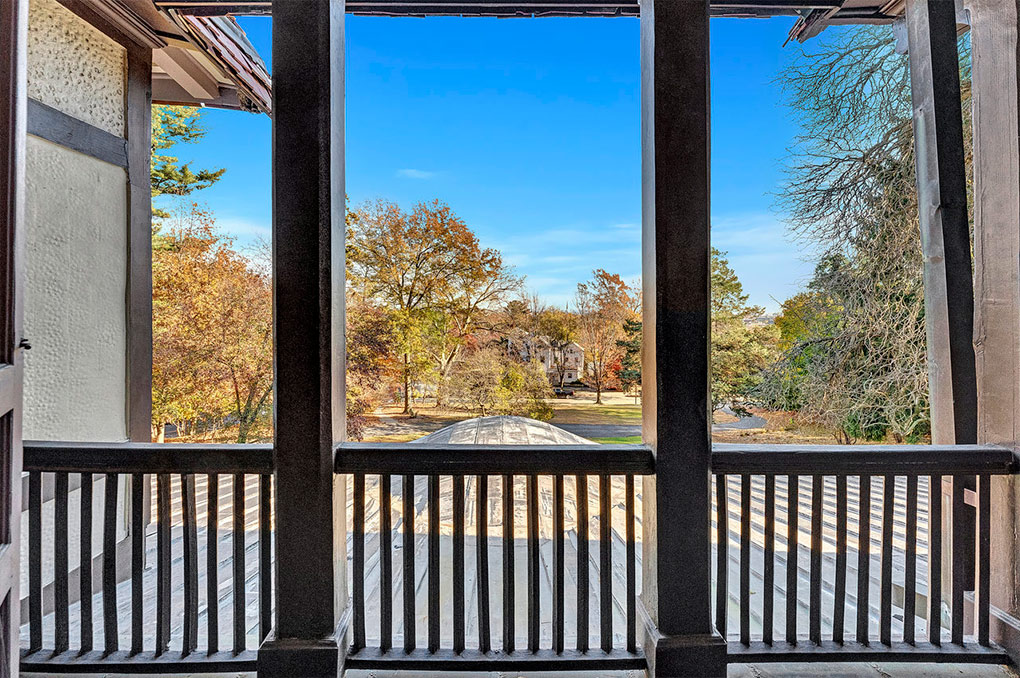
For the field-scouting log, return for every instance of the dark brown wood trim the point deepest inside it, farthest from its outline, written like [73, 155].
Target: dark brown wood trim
[138, 115]
[308, 327]
[77, 457]
[60, 128]
[117, 22]
[493, 459]
[475, 661]
[829, 651]
[173, 662]
[735, 458]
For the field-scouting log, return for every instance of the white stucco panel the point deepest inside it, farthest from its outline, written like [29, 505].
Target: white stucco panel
[75, 291]
[74, 67]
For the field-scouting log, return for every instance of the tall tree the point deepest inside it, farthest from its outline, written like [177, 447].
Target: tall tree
[429, 268]
[856, 361]
[603, 304]
[212, 327]
[172, 125]
[559, 328]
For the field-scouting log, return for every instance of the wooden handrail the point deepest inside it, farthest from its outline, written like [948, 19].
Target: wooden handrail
[735, 458]
[426, 459]
[89, 457]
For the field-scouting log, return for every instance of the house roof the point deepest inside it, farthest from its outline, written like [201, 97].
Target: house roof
[197, 60]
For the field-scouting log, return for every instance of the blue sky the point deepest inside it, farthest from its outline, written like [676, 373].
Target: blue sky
[530, 130]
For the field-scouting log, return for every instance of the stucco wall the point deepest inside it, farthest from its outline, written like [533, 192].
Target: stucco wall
[74, 67]
[75, 288]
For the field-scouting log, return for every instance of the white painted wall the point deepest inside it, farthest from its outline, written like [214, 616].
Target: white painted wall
[76, 244]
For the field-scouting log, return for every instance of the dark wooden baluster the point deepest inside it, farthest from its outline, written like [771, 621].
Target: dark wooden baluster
[85, 564]
[631, 569]
[238, 584]
[138, 511]
[408, 584]
[358, 576]
[265, 555]
[582, 563]
[745, 559]
[769, 574]
[482, 561]
[459, 622]
[984, 554]
[559, 569]
[534, 582]
[722, 541]
[815, 590]
[188, 514]
[212, 562]
[864, 560]
[606, 562]
[839, 594]
[385, 564]
[433, 556]
[935, 560]
[60, 556]
[162, 563]
[960, 548]
[509, 631]
[885, 607]
[111, 637]
[792, 552]
[910, 564]
[35, 587]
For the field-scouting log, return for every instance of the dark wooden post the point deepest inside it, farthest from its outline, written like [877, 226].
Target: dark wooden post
[680, 639]
[309, 634]
[945, 241]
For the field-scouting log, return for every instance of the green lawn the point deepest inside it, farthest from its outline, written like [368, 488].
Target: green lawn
[621, 440]
[590, 413]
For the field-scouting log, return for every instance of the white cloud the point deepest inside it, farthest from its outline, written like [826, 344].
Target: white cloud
[415, 174]
[245, 229]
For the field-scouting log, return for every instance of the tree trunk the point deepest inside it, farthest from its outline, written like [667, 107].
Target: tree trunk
[161, 433]
[407, 384]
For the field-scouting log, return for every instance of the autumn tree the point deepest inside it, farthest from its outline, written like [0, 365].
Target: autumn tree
[212, 327]
[741, 350]
[559, 328]
[173, 125]
[603, 304]
[491, 382]
[429, 269]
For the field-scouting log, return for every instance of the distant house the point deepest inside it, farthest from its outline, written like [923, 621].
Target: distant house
[563, 364]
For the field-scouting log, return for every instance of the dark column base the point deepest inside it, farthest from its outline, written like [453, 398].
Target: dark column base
[688, 656]
[294, 658]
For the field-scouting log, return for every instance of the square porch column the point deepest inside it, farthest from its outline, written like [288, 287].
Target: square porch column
[309, 633]
[680, 638]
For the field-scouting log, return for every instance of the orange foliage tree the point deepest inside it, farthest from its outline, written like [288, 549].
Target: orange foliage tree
[212, 328]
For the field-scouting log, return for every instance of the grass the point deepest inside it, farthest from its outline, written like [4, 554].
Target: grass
[619, 440]
[590, 413]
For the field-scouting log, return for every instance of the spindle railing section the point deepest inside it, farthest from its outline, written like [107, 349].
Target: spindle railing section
[193, 590]
[836, 554]
[494, 557]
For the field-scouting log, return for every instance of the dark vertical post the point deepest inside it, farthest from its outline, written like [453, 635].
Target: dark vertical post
[680, 639]
[945, 241]
[308, 336]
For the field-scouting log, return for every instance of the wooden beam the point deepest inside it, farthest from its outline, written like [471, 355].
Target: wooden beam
[13, 114]
[945, 241]
[676, 268]
[995, 101]
[138, 113]
[945, 233]
[60, 128]
[308, 339]
[185, 69]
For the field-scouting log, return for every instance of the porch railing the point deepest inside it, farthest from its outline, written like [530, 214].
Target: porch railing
[836, 553]
[197, 593]
[479, 613]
